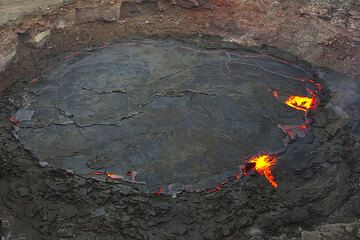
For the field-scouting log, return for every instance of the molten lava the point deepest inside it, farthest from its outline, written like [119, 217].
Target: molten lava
[276, 94]
[160, 191]
[263, 163]
[114, 176]
[301, 103]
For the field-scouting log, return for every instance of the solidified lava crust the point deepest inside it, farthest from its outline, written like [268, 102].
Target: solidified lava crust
[176, 116]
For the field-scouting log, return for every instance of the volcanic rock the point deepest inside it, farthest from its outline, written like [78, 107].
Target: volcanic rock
[8, 44]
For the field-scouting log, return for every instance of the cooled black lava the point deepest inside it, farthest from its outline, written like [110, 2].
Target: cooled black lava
[170, 112]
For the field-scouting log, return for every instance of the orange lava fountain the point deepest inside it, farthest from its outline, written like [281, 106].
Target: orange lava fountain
[263, 163]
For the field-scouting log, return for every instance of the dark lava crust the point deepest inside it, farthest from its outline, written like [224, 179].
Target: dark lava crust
[318, 179]
[172, 113]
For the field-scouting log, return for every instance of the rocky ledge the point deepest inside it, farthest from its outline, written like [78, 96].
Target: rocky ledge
[321, 32]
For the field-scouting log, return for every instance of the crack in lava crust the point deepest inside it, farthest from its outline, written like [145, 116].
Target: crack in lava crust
[165, 115]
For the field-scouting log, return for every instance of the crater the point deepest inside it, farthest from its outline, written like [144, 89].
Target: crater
[172, 114]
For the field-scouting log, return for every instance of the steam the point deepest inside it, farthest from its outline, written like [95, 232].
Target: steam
[345, 94]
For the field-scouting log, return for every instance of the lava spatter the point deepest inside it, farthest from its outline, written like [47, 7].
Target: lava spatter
[263, 164]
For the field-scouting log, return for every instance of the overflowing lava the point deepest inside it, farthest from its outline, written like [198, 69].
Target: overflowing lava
[294, 131]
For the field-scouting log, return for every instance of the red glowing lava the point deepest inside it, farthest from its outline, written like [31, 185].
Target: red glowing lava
[263, 165]
[108, 175]
[160, 191]
[14, 121]
[276, 94]
[318, 85]
[217, 188]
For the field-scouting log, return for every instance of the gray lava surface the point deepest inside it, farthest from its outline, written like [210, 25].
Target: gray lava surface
[170, 112]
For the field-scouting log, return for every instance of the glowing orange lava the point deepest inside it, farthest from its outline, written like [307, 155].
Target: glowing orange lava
[263, 163]
[301, 103]
[114, 176]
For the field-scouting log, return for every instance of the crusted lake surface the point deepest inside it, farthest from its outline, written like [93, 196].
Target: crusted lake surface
[174, 113]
